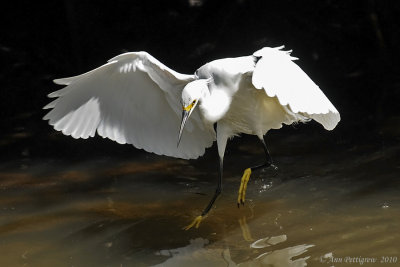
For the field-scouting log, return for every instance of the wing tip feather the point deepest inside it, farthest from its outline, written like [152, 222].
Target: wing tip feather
[328, 120]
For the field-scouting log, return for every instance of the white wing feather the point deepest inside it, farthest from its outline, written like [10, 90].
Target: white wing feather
[279, 76]
[132, 99]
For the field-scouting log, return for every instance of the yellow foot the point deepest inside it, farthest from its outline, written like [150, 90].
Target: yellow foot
[243, 186]
[196, 222]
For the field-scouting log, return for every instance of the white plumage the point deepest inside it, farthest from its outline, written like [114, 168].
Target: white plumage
[132, 99]
[282, 78]
[137, 100]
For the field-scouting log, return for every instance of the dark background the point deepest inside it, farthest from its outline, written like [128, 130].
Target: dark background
[349, 48]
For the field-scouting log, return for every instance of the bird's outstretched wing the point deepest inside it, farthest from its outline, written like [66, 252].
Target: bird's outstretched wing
[279, 76]
[132, 99]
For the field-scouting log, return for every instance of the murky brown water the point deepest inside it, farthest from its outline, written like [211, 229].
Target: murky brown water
[326, 203]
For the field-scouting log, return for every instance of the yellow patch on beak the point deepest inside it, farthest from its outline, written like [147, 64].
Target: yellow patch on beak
[189, 107]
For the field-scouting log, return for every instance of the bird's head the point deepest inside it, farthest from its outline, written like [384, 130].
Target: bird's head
[191, 95]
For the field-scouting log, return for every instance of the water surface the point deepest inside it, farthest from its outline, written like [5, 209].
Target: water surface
[328, 202]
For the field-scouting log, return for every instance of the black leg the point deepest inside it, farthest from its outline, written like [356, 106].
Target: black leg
[221, 148]
[217, 191]
[268, 159]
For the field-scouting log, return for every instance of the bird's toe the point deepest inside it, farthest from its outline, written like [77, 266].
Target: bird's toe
[196, 223]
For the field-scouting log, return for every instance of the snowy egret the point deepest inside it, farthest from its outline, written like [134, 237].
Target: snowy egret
[135, 99]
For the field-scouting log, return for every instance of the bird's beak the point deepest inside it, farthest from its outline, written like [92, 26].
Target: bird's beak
[185, 116]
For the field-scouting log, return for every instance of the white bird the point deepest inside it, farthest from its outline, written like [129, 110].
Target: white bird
[135, 99]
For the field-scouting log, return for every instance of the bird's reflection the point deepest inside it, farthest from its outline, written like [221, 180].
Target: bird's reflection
[281, 257]
[245, 229]
[198, 254]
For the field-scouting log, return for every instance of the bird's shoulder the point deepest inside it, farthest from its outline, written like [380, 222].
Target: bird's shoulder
[222, 70]
[233, 65]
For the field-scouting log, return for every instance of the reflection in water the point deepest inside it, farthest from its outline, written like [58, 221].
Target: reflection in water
[197, 254]
[129, 211]
[268, 241]
[245, 229]
[282, 257]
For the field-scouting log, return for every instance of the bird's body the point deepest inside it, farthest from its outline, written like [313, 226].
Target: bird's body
[235, 102]
[134, 99]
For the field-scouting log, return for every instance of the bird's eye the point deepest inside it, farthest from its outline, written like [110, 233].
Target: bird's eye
[194, 102]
